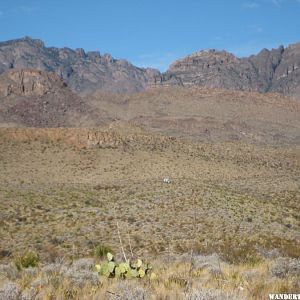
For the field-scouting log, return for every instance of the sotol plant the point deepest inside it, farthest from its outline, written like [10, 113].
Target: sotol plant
[124, 270]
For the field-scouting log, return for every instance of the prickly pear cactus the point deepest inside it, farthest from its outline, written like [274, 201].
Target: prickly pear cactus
[136, 269]
[124, 267]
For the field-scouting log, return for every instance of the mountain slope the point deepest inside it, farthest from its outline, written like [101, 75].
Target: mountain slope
[33, 98]
[207, 114]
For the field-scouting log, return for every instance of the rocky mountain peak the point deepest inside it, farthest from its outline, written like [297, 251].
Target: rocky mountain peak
[204, 59]
[276, 70]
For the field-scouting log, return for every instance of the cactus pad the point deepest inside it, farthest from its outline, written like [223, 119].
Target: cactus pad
[141, 273]
[110, 257]
[111, 266]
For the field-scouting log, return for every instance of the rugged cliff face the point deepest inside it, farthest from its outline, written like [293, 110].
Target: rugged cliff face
[29, 83]
[287, 74]
[35, 98]
[83, 72]
[276, 70]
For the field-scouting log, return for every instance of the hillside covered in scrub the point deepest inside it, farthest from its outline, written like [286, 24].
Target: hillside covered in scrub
[233, 204]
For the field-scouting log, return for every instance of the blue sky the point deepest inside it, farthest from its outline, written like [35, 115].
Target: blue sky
[154, 32]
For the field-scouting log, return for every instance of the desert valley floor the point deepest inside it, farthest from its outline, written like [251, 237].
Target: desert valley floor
[233, 199]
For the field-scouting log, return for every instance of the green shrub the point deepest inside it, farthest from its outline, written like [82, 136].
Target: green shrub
[29, 259]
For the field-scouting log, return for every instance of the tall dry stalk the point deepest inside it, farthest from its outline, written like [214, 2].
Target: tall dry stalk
[129, 241]
[119, 235]
[189, 285]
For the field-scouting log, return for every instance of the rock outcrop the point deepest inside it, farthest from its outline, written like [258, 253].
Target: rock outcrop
[29, 83]
[34, 98]
[286, 78]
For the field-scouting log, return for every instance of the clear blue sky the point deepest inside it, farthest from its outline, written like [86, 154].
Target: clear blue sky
[154, 32]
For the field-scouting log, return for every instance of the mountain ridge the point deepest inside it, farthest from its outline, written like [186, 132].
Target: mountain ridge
[275, 70]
